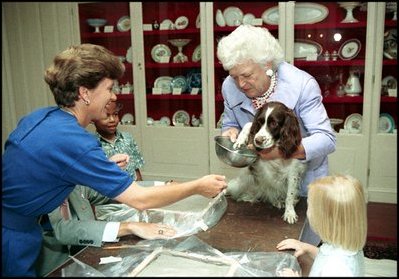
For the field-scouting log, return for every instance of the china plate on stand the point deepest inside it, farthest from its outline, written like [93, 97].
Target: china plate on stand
[386, 123]
[349, 49]
[196, 54]
[305, 13]
[164, 82]
[159, 51]
[353, 123]
[233, 16]
[181, 118]
[123, 24]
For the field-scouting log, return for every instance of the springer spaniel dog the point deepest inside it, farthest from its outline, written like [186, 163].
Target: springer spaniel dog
[274, 181]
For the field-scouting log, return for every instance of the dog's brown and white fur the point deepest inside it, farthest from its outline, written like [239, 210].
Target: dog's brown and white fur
[274, 181]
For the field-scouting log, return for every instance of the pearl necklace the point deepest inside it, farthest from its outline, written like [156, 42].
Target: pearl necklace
[67, 111]
[258, 102]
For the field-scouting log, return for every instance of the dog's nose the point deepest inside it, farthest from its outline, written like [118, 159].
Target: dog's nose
[260, 140]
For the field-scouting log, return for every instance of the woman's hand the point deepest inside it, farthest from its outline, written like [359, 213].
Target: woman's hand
[120, 159]
[146, 230]
[232, 133]
[211, 185]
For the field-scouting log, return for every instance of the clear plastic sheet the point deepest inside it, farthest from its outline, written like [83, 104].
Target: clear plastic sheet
[141, 260]
[188, 216]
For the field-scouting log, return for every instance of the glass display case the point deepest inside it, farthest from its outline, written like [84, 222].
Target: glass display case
[109, 25]
[388, 105]
[172, 55]
[330, 44]
[226, 17]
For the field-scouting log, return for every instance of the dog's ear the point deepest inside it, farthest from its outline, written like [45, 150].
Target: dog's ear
[258, 121]
[290, 134]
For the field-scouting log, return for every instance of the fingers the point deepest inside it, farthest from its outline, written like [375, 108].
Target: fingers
[164, 231]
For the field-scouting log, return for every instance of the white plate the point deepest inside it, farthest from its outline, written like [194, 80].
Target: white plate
[349, 49]
[129, 55]
[123, 24]
[165, 121]
[390, 44]
[305, 13]
[386, 123]
[233, 16]
[179, 82]
[181, 22]
[303, 48]
[169, 23]
[196, 54]
[389, 82]
[336, 121]
[181, 118]
[198, 21]
[353, 123]
[220, 18]
[247, 19]
[159, 51]
[127, 119]
[164, 82]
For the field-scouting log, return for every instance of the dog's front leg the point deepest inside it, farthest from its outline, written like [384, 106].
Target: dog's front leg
[242, 139]
[291, 200]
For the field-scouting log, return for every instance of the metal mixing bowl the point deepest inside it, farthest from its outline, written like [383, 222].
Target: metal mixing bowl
[238, 158]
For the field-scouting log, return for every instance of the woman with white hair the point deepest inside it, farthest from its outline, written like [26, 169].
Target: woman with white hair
[259, 74]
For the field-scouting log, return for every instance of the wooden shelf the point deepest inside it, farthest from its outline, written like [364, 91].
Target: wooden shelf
[183, 96]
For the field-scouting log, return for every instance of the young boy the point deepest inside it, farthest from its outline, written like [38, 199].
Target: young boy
[114, 141]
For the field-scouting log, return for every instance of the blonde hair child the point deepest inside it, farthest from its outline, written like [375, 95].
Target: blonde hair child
[337, 212]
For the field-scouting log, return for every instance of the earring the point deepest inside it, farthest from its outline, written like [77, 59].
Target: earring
[87, 102]
[269, 72]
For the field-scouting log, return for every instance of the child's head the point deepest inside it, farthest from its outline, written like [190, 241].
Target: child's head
[108, 125]
[337, 211]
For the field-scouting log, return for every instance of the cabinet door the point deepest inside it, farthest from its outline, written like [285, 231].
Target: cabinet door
[109, 24]
[330, 44]
[175, 137]
[383, 148]
[224, 17]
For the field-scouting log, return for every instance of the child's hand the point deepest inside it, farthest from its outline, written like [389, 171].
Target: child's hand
[120, 159]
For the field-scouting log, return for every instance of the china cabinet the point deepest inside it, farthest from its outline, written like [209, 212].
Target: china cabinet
[170, 93]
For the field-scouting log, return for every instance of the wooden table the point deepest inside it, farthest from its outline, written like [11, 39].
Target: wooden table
[244, 227]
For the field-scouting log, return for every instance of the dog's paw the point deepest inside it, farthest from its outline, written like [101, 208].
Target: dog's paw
[290, 216]
[238, 144]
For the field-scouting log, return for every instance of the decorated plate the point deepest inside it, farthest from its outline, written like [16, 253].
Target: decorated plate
[164, 82]
[127, 119]
[198, 21]
[196, 54]
[386, 123]
[129, 55]
[349, 49]
[390, 44]
[194, 80]
[353, 123]
[181, 22]
[169, 23]
[123, 24]
[233, 16]
[336, 121]
[159, 51]
[388, 82]
[181, 118]
[303, 48]
[305, 13]
[179, 82]
[165, 121]
[247, 19]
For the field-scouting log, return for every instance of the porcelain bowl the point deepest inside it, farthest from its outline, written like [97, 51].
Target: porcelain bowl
[238, 158]
[96, 22]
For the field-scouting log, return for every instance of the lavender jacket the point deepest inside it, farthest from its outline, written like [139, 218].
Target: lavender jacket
[300, 92]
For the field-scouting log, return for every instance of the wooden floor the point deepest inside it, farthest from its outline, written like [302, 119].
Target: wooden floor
[382, 221]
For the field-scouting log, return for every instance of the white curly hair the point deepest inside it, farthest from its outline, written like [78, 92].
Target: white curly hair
[248, 42]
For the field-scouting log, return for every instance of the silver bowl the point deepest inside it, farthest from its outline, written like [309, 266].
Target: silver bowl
[238, 158]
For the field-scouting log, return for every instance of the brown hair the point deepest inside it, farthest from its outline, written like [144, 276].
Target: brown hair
[82, 65]
[337, 211]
